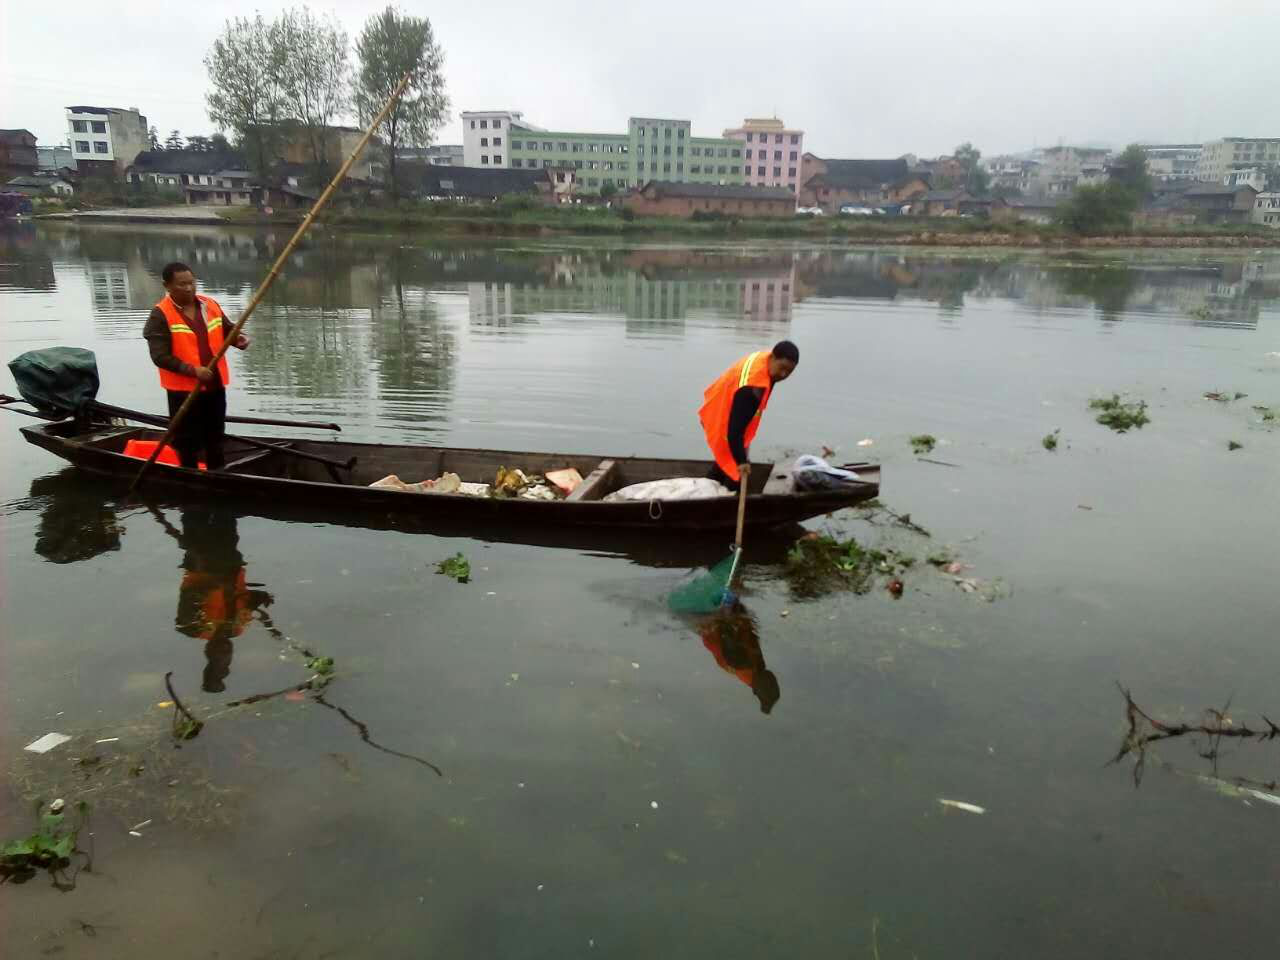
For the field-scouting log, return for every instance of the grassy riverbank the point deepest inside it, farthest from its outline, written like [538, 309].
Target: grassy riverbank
[522, 220]
[526, 219]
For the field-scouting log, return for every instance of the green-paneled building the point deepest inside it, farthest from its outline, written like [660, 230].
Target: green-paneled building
[651, 149]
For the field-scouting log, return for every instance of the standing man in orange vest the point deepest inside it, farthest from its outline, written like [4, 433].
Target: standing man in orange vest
[184, 332]
[733, 405]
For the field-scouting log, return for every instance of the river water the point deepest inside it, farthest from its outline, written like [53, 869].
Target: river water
[569, 769]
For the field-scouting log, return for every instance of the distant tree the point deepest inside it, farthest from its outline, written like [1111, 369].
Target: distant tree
[316, 78]
[608, 191]
[219, 144]
[976, 179]
[1107, 208]
[390, 45]
[246, 64]
[1129, 170]
[173, 141]
[198, 143]
[153, 139]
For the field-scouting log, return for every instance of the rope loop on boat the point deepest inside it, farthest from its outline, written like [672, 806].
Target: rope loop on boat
[652, 514]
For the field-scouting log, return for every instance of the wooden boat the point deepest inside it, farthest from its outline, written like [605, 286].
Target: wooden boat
[336, 475]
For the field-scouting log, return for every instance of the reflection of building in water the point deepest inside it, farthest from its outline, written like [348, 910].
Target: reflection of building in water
[108, 285]
[648, 288]
[1225, 293]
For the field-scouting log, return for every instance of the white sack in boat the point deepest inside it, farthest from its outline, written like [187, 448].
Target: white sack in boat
[674, 488]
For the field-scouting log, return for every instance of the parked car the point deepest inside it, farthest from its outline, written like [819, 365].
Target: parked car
[858, 210]
[809, 212]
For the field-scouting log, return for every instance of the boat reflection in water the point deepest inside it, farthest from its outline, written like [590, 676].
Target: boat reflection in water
[733, 638]
[76, 522]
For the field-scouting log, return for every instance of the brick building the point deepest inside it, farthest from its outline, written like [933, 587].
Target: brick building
[661, 199]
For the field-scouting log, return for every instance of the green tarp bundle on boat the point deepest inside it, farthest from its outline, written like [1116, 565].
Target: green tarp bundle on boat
[56, 380]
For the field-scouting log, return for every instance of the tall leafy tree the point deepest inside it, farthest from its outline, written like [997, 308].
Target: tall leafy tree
[1130, 171]
[153, 139]
[199, 143]
[976, 179]
[173, 141]
[390, 45]
[219, 143]
[246, 67]
[316, 75]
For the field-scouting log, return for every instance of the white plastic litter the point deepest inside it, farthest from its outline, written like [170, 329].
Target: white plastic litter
[674, 488]
[961, 805]
[47, 742]
[814, 473]
[447, 483]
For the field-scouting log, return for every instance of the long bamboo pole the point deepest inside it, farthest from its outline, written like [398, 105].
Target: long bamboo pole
[274, 272]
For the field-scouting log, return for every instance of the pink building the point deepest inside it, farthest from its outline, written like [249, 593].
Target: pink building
[772, 154]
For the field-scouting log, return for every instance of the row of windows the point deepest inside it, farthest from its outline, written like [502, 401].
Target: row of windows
[777, 155]
[777, 171]
[666, 132]
[99, 146]
[497, 142]
[777, 138]
[564, 146]
[83, 126]
[484, 124]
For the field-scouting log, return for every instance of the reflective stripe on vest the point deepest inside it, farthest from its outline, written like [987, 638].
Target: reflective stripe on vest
[186, 346]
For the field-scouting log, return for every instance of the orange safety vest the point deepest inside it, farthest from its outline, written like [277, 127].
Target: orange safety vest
[185, 346]
[751, 371]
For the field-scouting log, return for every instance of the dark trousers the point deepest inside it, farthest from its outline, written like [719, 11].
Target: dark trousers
[202, 430]
[722, 478]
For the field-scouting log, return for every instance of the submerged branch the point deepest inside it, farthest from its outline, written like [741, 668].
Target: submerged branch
[364, 735]
[1145, 730]
[189, 727]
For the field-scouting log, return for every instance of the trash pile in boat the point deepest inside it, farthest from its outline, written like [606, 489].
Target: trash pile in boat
[507, 484]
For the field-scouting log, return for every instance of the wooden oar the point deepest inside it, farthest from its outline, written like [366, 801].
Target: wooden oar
[737, 538]
[262, 421]
[276, 267]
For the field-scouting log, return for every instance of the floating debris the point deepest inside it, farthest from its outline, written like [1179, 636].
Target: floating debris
[1050, 441]
[1223, 396]
[961, 805]
[1121, 416]
[819, 564]
[923, 443]
[457, 566]
[46, 743]
[1269, 415]
[1232, 445]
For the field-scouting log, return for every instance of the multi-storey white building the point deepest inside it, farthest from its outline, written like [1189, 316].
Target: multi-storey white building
[486, 136]
[1171, 162]
[105, 139]
[1220, 157]
[1266, 210]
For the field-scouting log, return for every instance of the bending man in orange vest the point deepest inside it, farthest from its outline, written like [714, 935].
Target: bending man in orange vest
[183, 333]
[733, 405]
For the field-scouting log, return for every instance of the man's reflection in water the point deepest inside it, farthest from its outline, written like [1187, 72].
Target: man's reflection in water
[215, 602]
[732, 638]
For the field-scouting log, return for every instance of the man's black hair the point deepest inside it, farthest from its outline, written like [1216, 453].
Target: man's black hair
[786, 350]
[170, 269]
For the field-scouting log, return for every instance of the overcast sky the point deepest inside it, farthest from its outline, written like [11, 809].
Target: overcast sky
[867, 78]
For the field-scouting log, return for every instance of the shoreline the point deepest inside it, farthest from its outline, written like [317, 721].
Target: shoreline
[815, 230]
